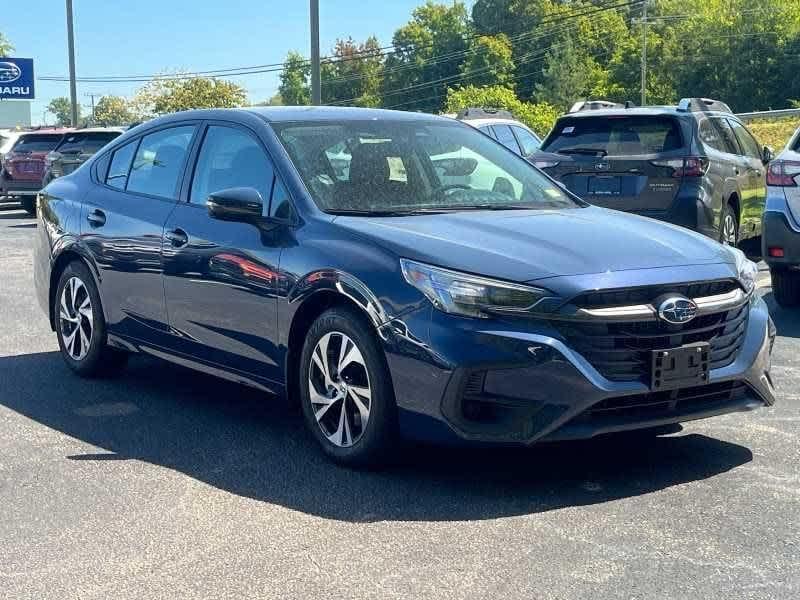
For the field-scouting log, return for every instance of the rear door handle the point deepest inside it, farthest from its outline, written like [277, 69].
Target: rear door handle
[177, 237]
[96, 218]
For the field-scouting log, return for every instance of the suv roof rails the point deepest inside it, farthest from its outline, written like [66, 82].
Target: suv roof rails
[702, 105]
[595, 105]
[486, 112]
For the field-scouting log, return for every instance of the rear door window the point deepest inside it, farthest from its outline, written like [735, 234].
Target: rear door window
[506, 137]
[121, 165]
[717, 134]
[487, 129]
[159, 162]
[615, 136]
[747, 142]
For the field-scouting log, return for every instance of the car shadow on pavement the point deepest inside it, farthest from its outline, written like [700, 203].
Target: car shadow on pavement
[247, 443]
[787, 320]
[14, 214]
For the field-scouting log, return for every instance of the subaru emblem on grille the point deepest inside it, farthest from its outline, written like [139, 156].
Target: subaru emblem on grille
[677, 310]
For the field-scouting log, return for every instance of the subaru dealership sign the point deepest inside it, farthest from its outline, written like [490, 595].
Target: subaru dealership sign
[16, 79]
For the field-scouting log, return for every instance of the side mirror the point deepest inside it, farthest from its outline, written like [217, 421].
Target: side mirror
[236, 204]
[767, 154]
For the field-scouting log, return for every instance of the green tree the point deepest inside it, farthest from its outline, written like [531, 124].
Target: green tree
[427, 56]
[113, 110]
[61, 108]
[5, 46]
[294, 87]
[354, 73]
[489, 61]
[162, 95]
[539, 117]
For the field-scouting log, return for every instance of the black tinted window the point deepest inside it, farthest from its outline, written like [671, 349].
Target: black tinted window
[281, 206]
[746, 141]
[120, 166]
[487, 129]
[526, 139]
[615, 136]
[230, 158]
[717, 134]
[39, 142]
[506, 137]
[85, 142]
[159, 161]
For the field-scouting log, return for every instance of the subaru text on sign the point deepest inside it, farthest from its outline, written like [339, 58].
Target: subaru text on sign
[16, 79]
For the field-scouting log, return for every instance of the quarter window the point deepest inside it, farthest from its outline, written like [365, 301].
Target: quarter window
[717, 134]
[120, 166]
[281, 206]
[159, 162]
[746, 141]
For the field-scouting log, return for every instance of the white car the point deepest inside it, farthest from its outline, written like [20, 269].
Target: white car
[502, 126]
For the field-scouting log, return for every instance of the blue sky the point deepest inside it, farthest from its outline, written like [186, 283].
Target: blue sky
[119, 37]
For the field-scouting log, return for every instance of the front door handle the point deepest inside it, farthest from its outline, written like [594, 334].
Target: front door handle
[96, 218]
[177, 237]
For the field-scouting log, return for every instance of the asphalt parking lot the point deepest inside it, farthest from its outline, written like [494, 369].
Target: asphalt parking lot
[166, 483]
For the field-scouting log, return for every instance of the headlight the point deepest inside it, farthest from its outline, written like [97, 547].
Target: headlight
[468, 295]
[747, 271]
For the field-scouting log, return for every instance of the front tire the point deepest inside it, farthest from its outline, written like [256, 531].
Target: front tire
[345, 390]
[729, 227]
[786, 288]
[81, 326]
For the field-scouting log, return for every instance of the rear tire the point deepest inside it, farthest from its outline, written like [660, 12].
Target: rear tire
[729, 226]
[786, 288]
[29, 204]
[345, 390]
[81, 326]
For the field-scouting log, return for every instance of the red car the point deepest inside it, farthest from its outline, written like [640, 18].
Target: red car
[24, 166]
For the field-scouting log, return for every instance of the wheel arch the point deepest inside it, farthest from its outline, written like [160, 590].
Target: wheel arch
[68, 255]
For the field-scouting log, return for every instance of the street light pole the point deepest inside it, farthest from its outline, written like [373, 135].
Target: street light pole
[644, 52]
[316, 92]
[73, 92]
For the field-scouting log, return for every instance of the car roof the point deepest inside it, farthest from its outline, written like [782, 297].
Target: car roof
[98, 130]
[279, 114]
[641, 111]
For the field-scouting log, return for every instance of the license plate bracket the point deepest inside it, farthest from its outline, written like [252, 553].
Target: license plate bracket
[605, 185]
[685, 366]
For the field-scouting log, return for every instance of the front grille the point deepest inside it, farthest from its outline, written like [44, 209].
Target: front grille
[647, 294]
[622, 351]
[656, 404]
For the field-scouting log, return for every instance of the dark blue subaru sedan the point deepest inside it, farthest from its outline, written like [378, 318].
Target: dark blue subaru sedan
[395, 274]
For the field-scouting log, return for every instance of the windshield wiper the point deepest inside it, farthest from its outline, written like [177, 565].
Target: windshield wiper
[458, 207]
[593, 151]
[348, 212]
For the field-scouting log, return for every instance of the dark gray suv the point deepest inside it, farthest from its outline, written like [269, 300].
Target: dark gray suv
[694, 164]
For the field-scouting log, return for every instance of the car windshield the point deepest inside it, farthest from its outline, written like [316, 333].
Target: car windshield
[37, 143]
[400, 167]
[87, 142]
[614, 136]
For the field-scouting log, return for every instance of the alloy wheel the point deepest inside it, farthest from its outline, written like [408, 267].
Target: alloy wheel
[729, 230]
[339, 389]
[75, 318]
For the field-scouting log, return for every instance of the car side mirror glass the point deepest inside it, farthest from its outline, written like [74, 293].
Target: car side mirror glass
[243, 204]
[767, 154]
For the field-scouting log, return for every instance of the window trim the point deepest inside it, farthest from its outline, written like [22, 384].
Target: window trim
[138, 140]
[513, 136]
[514, 127]
[731, 121]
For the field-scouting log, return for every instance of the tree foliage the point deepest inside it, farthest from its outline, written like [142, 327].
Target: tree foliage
[294, 87]
[61, 108]
[113, 111]
[5, 45]
[490, 61]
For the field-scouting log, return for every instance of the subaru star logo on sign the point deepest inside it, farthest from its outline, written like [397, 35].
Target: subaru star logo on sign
[677, 310]
[16, 79]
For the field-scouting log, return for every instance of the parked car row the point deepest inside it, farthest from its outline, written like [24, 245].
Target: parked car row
[400, 274]
[33, 159]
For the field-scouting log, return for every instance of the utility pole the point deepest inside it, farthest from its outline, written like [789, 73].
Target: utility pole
[92, 95]
[316, 92]
[644, 52]
[73, 93]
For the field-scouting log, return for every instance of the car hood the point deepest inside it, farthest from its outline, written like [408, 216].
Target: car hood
[535, 244]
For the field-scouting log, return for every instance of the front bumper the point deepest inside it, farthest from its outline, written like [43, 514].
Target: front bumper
[538, 389]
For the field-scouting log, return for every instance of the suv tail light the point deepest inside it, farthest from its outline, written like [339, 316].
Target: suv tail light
[690, 166]
[782, 173]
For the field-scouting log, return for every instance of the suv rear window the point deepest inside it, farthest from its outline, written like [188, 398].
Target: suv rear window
[88, 142]
[37, 143]
[615, 136]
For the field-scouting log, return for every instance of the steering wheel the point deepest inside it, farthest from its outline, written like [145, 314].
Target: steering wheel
[447, 189]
